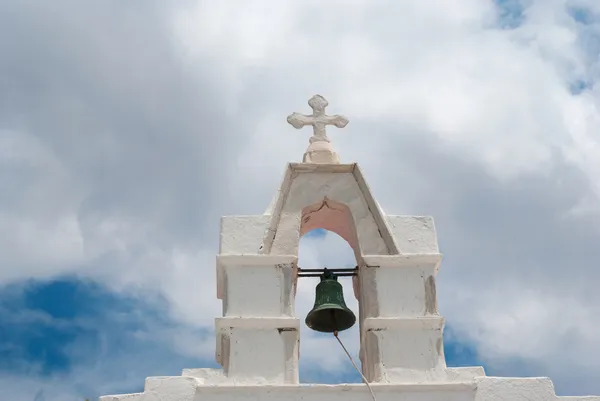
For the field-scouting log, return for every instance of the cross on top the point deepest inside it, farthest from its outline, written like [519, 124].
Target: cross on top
[318, 119]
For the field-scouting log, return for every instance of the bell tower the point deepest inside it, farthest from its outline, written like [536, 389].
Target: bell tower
[401, 343]
[397, 258]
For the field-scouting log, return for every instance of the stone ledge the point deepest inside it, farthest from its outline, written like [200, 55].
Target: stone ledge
[179, 388]
[423, 322]
[255, 260]
[123, 397]
[177, 385]
[514, 389]
[404, 260]
[258, 323]
[161, 388]
[169, 388]
[431, 376]
[465, 373]
[207, 376]
[345, 387]
[322, 167]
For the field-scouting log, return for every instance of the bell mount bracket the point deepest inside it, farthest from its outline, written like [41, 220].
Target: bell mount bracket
[347, 272]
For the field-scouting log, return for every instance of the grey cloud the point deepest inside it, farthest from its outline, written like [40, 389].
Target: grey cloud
[522, 226]
[102, 86]
[130, 130]
[500, 238]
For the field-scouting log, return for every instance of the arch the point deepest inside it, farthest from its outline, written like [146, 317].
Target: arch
[332, 250]
[306, 191]
[331, 216]
[335, 217]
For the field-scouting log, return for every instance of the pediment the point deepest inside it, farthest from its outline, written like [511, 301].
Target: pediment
[329, 196]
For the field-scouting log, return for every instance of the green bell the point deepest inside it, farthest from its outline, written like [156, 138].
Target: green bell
[330, 312]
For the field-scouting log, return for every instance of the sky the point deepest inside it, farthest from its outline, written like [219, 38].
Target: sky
[127, 129]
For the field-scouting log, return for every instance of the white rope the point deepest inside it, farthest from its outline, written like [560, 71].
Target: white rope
[335, 333]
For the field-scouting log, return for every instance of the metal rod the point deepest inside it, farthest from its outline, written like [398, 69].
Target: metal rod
[344, 272]
[331, 270]
[319, 274]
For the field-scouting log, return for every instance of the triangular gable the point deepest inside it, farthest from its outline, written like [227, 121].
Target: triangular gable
[309, 184]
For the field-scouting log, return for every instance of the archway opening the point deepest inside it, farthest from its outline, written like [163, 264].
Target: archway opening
[322, 359]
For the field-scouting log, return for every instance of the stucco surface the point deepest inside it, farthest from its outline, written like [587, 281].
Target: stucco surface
[480, 389]
[401, 330]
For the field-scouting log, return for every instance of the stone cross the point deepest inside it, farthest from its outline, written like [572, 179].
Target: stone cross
[318, 119]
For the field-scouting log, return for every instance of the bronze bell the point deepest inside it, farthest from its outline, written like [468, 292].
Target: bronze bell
[330, 312]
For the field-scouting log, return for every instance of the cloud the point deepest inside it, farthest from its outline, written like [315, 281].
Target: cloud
[127, 130]
[70, 338]
[517, 281]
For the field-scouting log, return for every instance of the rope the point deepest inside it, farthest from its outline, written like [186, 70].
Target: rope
[335, 333]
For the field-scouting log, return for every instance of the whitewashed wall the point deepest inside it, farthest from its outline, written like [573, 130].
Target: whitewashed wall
[257, 337]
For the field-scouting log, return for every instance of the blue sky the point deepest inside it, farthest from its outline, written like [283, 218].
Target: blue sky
[53, 329]
[56, 331]
[128, 128]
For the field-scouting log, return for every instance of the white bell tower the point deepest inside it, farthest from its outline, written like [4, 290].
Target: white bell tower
[397, 257]
[401, 341]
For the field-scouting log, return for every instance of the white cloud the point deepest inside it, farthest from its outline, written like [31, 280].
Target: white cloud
[126, 168]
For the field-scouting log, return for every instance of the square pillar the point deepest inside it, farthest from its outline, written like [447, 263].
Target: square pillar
[256, 285]
[258, 350]
[404, 350]
[257, 338]
[401, 330]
